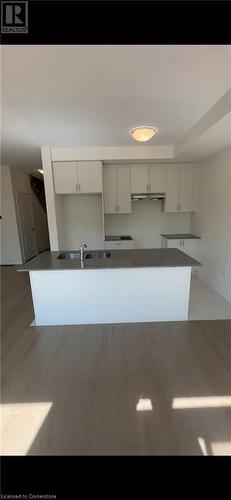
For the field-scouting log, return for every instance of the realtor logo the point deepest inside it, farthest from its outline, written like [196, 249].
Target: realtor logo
[14, 17]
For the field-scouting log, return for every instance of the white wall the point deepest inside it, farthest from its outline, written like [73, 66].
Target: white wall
[213, 221]
[79, 219]
[146, 223]
[10, 245]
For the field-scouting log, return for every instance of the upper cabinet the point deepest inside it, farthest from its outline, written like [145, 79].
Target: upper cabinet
[139, 179]
[181, 188]
[77, 177]
[157, 178]
[65, 177]
[148, 179]
[117, 189]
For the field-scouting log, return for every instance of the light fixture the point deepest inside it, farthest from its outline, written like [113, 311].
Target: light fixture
[40, 170]
[143, 133]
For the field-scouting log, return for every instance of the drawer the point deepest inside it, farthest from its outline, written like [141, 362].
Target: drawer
[119, 245]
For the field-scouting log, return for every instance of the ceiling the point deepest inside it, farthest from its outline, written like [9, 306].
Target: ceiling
[92, 95]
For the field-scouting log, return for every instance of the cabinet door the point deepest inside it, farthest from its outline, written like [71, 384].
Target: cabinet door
[187, 190]
[89, 176]
[157, 178]
[139, 179]
[172, 188]
[119, 245]
[175, 244]
[110, 189]
[123, 189]
[65, 177]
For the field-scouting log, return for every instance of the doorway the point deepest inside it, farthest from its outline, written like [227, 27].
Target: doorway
[26, 226]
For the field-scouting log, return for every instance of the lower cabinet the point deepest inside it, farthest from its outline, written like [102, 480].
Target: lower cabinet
[119, 245]
[187, 246]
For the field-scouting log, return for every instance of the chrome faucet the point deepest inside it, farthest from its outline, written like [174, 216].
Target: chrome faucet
[81, 249]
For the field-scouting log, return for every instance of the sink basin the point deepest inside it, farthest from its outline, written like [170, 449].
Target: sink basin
[89, 255]
[69, 255]
[97, 255]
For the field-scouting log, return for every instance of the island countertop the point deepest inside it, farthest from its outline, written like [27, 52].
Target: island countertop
[140, 258]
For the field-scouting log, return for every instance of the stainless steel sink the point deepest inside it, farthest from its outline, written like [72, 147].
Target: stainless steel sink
[69, 255]
[97, 255]
[88, 255]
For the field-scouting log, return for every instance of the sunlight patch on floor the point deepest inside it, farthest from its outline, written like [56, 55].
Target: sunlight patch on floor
[201, 402]
[221, 448]
[20, 424]
[144, 405]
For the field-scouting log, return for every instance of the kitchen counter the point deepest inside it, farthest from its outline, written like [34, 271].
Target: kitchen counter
[181, 236]
[119, 259]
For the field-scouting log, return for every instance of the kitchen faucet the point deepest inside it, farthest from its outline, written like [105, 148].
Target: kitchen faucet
[81, 249]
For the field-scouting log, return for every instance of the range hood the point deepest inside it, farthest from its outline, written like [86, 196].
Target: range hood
[149, 196]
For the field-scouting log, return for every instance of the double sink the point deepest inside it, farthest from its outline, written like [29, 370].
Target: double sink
[87, 255]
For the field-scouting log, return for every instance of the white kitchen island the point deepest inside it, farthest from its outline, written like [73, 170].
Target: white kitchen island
[128, 286]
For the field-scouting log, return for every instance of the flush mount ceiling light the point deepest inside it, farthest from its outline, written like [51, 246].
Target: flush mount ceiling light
[143, 133]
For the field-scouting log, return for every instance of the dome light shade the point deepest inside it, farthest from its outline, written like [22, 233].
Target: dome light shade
[143, 133]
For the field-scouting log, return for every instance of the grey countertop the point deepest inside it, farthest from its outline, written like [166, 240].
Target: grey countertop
[181, 236]
[153, 257]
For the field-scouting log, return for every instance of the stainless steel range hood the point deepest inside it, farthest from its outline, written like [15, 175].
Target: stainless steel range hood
[149, 196]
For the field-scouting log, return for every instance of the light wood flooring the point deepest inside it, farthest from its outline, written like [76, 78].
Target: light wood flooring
[134, 389]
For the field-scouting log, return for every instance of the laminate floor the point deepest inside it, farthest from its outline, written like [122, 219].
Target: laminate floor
[134, 389]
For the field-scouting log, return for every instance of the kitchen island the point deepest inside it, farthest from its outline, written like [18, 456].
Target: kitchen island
[119, 286]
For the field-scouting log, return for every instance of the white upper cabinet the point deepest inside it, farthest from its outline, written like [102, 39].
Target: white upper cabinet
[123, 173]
[77, 177]
[139, 179]
[181, 183]
[89, 176]
[117, 189]
[65, 177]
[187, 179]
[157, 178]
[110, 189]
[148, 179]
[172, 189]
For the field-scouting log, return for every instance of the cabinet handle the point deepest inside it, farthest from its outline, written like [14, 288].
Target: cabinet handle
[146, 187]
[180, 206]
[149, 187]
[79, 187]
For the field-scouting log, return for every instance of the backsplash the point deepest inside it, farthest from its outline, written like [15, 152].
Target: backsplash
[146, 223]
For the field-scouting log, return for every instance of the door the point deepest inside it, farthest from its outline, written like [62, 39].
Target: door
[89, 176]
[124, 204]
[187, 198]
[157, 178]
[65, 177]
[110, 189]
[139, 179]
[26, 226]
[172, 189]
